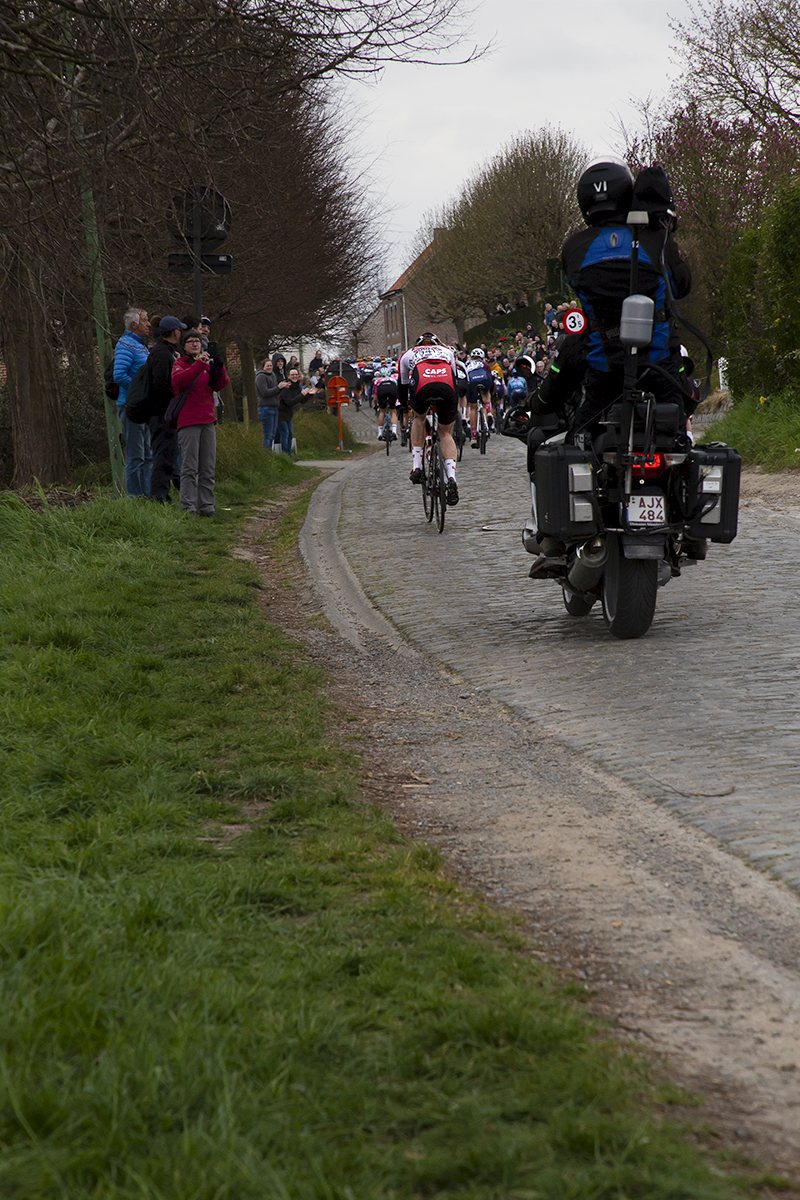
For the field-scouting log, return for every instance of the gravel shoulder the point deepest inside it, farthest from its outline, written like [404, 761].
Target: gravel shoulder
[685, 949]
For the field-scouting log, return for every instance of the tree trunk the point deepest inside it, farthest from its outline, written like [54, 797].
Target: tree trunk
[250, 405]
[38, 430]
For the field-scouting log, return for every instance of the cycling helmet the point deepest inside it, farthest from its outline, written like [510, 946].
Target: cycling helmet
[604, 190]
[477, 353]
[427, 339]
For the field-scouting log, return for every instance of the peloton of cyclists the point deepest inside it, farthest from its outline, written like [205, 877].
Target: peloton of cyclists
[428, 380]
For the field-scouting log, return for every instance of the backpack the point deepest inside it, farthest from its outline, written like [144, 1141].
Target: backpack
[138, 404]
[110, 385]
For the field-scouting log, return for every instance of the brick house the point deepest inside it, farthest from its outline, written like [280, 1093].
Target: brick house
[400, 317]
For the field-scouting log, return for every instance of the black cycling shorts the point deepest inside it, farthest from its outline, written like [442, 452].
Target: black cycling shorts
[439, 396]
[386, 394]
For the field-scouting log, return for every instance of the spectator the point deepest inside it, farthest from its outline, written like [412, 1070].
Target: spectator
[205, 331]
[164, 440]
[130, 353]
[197, 434]
[317, 362]
[192, 322]
[290, 397]
[549, 317]
[268, 390]
[279, 367]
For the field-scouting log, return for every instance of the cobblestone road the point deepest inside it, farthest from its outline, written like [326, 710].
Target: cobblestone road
[702, 714]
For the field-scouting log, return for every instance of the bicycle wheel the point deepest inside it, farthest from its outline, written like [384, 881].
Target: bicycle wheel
[458, 436]
[427, 481]
[440, 498]
[483, 430]
[387, 435]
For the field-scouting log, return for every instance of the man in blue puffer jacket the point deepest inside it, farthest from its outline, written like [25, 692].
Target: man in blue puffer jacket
[129, 354]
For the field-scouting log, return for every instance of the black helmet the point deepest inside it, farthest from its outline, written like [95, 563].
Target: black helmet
[604, 191]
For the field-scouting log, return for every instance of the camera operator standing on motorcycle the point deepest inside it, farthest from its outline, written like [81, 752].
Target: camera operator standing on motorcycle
[597, 263]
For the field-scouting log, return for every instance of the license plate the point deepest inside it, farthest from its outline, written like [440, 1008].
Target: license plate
[646, 510]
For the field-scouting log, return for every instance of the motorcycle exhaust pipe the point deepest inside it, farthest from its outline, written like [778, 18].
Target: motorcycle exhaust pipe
[588, 567]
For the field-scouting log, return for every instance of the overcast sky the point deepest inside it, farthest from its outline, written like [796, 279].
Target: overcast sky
[420, 131]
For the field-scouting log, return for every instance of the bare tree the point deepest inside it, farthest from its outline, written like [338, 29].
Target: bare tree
[492, 242]
[107, 108]
[724, 173]
[743, 58]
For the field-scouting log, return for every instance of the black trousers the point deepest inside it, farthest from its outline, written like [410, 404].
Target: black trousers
[164, 443]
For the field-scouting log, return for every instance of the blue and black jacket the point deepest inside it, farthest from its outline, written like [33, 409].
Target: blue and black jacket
[597, 262]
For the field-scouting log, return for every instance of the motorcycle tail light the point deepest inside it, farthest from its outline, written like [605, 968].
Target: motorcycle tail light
[647, 466]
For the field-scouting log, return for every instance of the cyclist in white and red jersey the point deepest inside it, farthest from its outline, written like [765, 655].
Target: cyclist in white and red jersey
[428, 380]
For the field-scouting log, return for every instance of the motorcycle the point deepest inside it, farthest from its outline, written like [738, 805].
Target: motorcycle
[618, 516]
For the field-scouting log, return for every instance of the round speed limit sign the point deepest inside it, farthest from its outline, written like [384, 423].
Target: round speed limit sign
[574, 320]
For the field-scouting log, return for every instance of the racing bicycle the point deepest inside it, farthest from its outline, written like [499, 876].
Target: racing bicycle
[387, 428]
[434, 483]
[483, 422]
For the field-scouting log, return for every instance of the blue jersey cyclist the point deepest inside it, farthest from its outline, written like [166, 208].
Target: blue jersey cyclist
[479, 380]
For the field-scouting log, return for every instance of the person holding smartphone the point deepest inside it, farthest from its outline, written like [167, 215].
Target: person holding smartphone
[197, 435]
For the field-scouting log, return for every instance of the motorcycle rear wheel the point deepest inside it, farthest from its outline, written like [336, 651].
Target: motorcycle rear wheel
[576, 606]
[629, 592]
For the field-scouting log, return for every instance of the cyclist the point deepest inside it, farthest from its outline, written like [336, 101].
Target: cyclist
[386, 397]
[428, 380]
[402, 411]
[480, 379]
[367, 376]
[462, 383]
[517, 388]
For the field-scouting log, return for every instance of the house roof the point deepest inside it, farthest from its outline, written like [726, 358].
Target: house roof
[409, 272]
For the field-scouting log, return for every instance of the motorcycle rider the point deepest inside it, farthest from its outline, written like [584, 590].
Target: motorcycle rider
[597, 263]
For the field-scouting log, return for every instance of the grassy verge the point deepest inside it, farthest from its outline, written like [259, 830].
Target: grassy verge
[221, 976]
[765, 432]
[317, 434]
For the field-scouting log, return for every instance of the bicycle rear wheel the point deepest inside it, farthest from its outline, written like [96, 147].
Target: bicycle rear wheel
[427, 481]
[483, 430]
[387, 435]
[458, 436]
[440, 497]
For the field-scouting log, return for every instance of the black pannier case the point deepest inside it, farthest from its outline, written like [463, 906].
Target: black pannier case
[566, 501]
[712, 492]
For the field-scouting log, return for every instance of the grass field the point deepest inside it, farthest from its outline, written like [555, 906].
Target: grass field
[223, 976]
[765, 431]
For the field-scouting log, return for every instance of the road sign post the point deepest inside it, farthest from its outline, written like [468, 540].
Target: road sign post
[200, 220]
[338, 394]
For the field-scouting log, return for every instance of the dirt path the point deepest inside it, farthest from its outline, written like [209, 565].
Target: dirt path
[684, 948]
